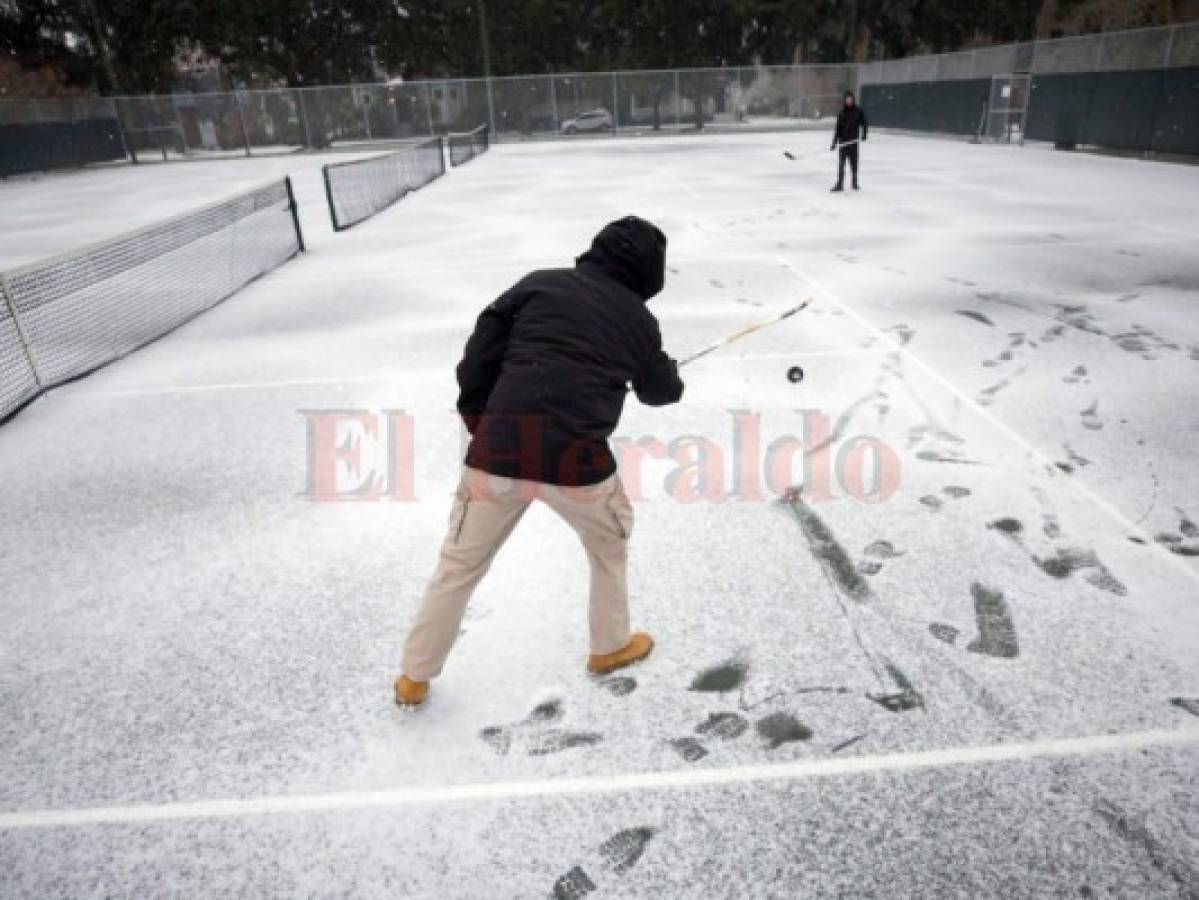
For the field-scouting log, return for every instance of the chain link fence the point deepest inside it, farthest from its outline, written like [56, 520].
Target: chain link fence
[1132, 90]
[577, 105]
[1170, 47]
[259, 122]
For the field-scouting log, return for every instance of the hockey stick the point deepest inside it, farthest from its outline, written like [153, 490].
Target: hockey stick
[790, 155]
[748, 330]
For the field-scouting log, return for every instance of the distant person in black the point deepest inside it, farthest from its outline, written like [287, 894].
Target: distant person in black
[852, 127]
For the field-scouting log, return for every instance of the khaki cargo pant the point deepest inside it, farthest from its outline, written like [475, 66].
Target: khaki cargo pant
[486, 510]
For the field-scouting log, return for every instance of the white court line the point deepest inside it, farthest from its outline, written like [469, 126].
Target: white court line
[1050, 467]
[434, 372]
[246, 385]
[796, 354]
[1046, 244]
[1191, 235]
[436, 266]
[829, 767]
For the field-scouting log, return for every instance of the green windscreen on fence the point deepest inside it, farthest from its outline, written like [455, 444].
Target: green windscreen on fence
[41, 146]
[1154, 109]
[949, 107]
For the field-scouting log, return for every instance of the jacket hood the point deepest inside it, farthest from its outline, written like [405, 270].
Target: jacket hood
[631, 251]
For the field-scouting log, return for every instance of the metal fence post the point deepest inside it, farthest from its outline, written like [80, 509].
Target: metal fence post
[429, 108]
[491, 108]
[116, 114]
[241, 120]
[179, 123]
[554, 103]
[1161, 86]
[678, 102]
[615, 109]
[1024, 111]
[303, 117]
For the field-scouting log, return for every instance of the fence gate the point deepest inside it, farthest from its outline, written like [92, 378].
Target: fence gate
[1007, 108]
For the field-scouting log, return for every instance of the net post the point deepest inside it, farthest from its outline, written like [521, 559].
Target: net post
[329, 197]
[6, 294]
[295, 213]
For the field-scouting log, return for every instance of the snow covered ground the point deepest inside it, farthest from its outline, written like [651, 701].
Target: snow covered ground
[973, 676]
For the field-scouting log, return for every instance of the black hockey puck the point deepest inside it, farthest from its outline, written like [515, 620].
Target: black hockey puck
[795, 374]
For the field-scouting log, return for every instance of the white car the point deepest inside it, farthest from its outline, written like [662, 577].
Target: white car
[592, 120]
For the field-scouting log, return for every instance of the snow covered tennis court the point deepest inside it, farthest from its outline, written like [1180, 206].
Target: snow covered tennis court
[984, 685]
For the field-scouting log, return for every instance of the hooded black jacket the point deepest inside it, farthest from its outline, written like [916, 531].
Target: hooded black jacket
[544, 375]
[850, 120]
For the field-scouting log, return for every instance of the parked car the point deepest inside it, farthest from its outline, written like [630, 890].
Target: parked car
[592, 120]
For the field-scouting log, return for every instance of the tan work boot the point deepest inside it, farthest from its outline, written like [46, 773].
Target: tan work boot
[637, 649]
[409, 692]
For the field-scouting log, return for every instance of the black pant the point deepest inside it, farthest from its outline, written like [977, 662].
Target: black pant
[849, 152]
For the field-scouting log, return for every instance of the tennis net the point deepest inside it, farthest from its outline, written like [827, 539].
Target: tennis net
[360, 188]
[63, 317]
[466, 146]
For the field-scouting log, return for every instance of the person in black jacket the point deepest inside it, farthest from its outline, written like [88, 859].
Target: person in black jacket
[543, 380]
[852, 128]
